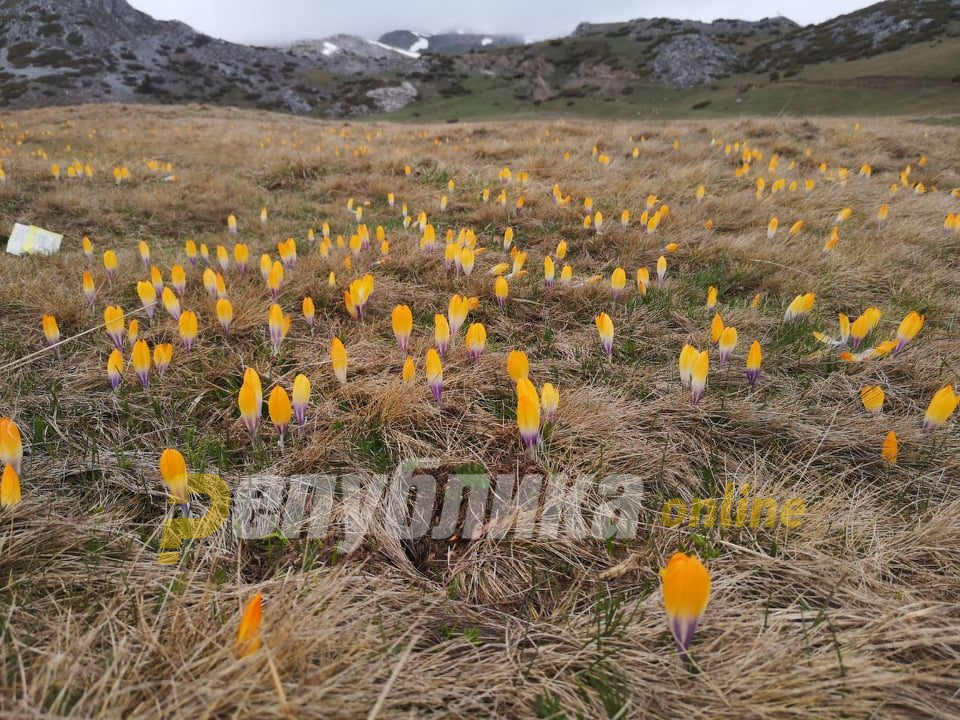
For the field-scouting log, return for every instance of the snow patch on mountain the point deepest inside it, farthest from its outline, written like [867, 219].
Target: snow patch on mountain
[405, 53]
[422, 43]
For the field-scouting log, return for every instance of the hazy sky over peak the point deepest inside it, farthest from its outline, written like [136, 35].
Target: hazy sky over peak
[278, 21]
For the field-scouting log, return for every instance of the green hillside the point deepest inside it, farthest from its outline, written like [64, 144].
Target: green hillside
[923, 78]
[895, 57]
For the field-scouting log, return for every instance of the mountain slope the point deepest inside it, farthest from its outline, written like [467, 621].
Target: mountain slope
[346, 55]
[116, 53]
[612, 56]
[74, 51]
[663, 67]
[874, 30]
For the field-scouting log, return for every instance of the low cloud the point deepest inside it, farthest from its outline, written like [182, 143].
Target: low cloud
[255, 21]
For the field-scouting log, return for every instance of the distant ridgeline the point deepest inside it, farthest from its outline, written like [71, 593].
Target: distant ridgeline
[57, 52]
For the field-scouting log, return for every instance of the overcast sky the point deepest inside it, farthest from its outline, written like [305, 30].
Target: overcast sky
[256, 21]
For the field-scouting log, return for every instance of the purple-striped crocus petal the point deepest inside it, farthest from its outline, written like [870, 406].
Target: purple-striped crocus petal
[252, 424]
[683, 630]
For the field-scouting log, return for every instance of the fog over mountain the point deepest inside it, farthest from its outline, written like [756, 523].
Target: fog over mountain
[284, 21]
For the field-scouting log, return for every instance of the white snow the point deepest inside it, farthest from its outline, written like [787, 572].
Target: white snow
[486, 41]
[421, 44]
[329, 48]
[405, 53]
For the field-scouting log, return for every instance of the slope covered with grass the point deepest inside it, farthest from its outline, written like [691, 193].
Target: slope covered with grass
[852, 613]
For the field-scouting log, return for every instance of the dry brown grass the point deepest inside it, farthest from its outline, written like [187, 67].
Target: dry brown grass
[853, 614]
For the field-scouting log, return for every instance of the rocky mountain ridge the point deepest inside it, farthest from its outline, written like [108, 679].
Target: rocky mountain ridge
[76, 51]
[58, 52]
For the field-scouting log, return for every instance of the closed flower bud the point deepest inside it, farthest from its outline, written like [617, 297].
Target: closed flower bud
[115, 369]
[338, 357]
[698, 375]
[433, 369]
[754, 359]
[941, 407]
[141, 362]
[618, 281]
[409, 370]
[110, 262]
[890, 448]
[51, 331]
[605, 329]
[280, 409]
[686, 593]
[148, 297]
[501, 290]
[549, 401]
[476, 340]
[225, 313]
[441, 333]
[178, 279]
[170, 303]
[872, 398]
[114, 322]
[10, 492]
[301, 398]
[162, 355]
[248, 632]
[187, 326]
[173, 470]
[517, 365]
[11, 444]
[728, 341]
[309, 311]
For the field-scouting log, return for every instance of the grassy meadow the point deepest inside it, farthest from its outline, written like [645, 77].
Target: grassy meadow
[851, 614]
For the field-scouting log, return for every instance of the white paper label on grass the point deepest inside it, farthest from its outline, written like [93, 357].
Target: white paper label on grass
[32, 240]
